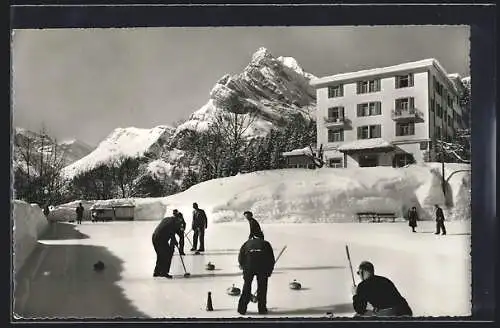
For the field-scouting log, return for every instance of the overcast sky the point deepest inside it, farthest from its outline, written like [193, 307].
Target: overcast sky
[83, 83]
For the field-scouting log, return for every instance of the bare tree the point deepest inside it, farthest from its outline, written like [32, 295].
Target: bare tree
[316, 157]
[125, 171]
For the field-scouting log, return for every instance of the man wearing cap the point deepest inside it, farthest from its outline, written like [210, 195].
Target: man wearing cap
[164, 243]
[256, 258]
[255, 229]
[380, 292]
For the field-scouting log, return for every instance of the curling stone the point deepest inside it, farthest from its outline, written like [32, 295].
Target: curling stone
[210, 267]
[233, 291]
[98, 266]
[295, 285]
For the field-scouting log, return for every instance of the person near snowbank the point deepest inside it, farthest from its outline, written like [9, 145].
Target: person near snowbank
[413, 218]
[255, 229]
[256, 258]
[439, 220]
[79, 213]
[178, 215]
[380, 293]
[199, 225]
[164, 244]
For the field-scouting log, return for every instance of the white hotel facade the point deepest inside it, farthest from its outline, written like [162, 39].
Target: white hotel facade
[387, 116]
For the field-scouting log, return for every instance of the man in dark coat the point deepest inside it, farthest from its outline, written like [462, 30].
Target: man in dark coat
[255, 229]
[164, 244]
[380, 292]
[413, 218]
[439, 220]
[178, 215]
[79, 213]
[199, 225]
[256, 258]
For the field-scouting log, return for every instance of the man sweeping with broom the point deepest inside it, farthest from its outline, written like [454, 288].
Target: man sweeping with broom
[164, 243]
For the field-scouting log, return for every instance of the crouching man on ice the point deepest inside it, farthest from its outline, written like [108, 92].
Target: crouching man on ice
[380, 292]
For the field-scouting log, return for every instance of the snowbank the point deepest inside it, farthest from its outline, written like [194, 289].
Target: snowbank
[29, 224]
[323, 195]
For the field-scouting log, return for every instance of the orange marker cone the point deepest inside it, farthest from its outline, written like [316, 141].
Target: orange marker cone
[209, 302]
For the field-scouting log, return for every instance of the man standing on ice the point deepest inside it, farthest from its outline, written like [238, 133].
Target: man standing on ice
[256, 258]
[79, 213]
[178, 215]
[164, 244]
[413, 218]
[439, 220]
[255, 229]
[380, 292]
[199, 225]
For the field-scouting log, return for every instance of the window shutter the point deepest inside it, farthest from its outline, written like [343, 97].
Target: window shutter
[378, 131]
[377, 85]
[412, 129]
[341, 112]
[412, 102]
[410, 77]
[359, 110]
[341, 88]
[359, 132]
[378, 108]
[396, 82]
[358, 87]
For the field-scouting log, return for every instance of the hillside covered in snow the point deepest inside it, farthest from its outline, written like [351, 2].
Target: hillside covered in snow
[323, 195]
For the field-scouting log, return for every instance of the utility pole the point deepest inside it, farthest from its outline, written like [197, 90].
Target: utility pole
[443, 181]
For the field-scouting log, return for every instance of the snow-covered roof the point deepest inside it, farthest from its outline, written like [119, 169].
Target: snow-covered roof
[429, 62]
[365, 144]
[296, 152]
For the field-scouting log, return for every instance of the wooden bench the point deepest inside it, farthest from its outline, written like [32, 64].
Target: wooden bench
[376, 217]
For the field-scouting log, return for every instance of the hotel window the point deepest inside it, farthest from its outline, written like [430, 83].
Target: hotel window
[369, 131]
[439, 110]
[405, 129]
[404, 81]
[432, 105]
[335, 162]
[335, 135]
[369, 109]
[405, 103]
[336, 91]
[336, 112]
[368, 86]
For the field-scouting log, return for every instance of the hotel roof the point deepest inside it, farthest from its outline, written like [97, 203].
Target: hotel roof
[430, 62]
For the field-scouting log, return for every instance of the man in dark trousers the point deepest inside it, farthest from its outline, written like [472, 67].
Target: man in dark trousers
[164, 244]
[255, 229]
[79, 213]
[380, 292]
[439, 220]
[413, 218]
[256, 258]
[178, 215]
[199, 225]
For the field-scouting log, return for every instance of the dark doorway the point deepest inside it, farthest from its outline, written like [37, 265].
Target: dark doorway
[368, 160]
[401, 160]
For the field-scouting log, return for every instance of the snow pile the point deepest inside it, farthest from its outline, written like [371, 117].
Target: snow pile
[366, 144]
[323, 195]
[29, 224]
[122, 142]
[301, 151]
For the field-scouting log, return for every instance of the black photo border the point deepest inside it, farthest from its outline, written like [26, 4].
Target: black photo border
[481, 17]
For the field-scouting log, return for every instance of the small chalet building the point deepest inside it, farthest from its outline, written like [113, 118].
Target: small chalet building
[298, 158]
[387, 116]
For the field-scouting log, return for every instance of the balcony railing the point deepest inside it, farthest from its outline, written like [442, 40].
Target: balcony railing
[335, 121]
[407, 114]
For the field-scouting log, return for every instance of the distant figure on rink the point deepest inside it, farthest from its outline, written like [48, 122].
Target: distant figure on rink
[413, 218]
[164, 244]
[255, 229]
[199, 225]
[46, 210]
[79, 213]
[380, 292]
[256, 258]
[439, 220]
[178, 215]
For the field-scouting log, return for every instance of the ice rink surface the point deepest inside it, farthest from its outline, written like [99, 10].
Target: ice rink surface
[58, 281]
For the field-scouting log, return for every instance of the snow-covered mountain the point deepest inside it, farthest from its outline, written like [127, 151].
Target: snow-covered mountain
[122, 142]
[30, 143]
[272, 88]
